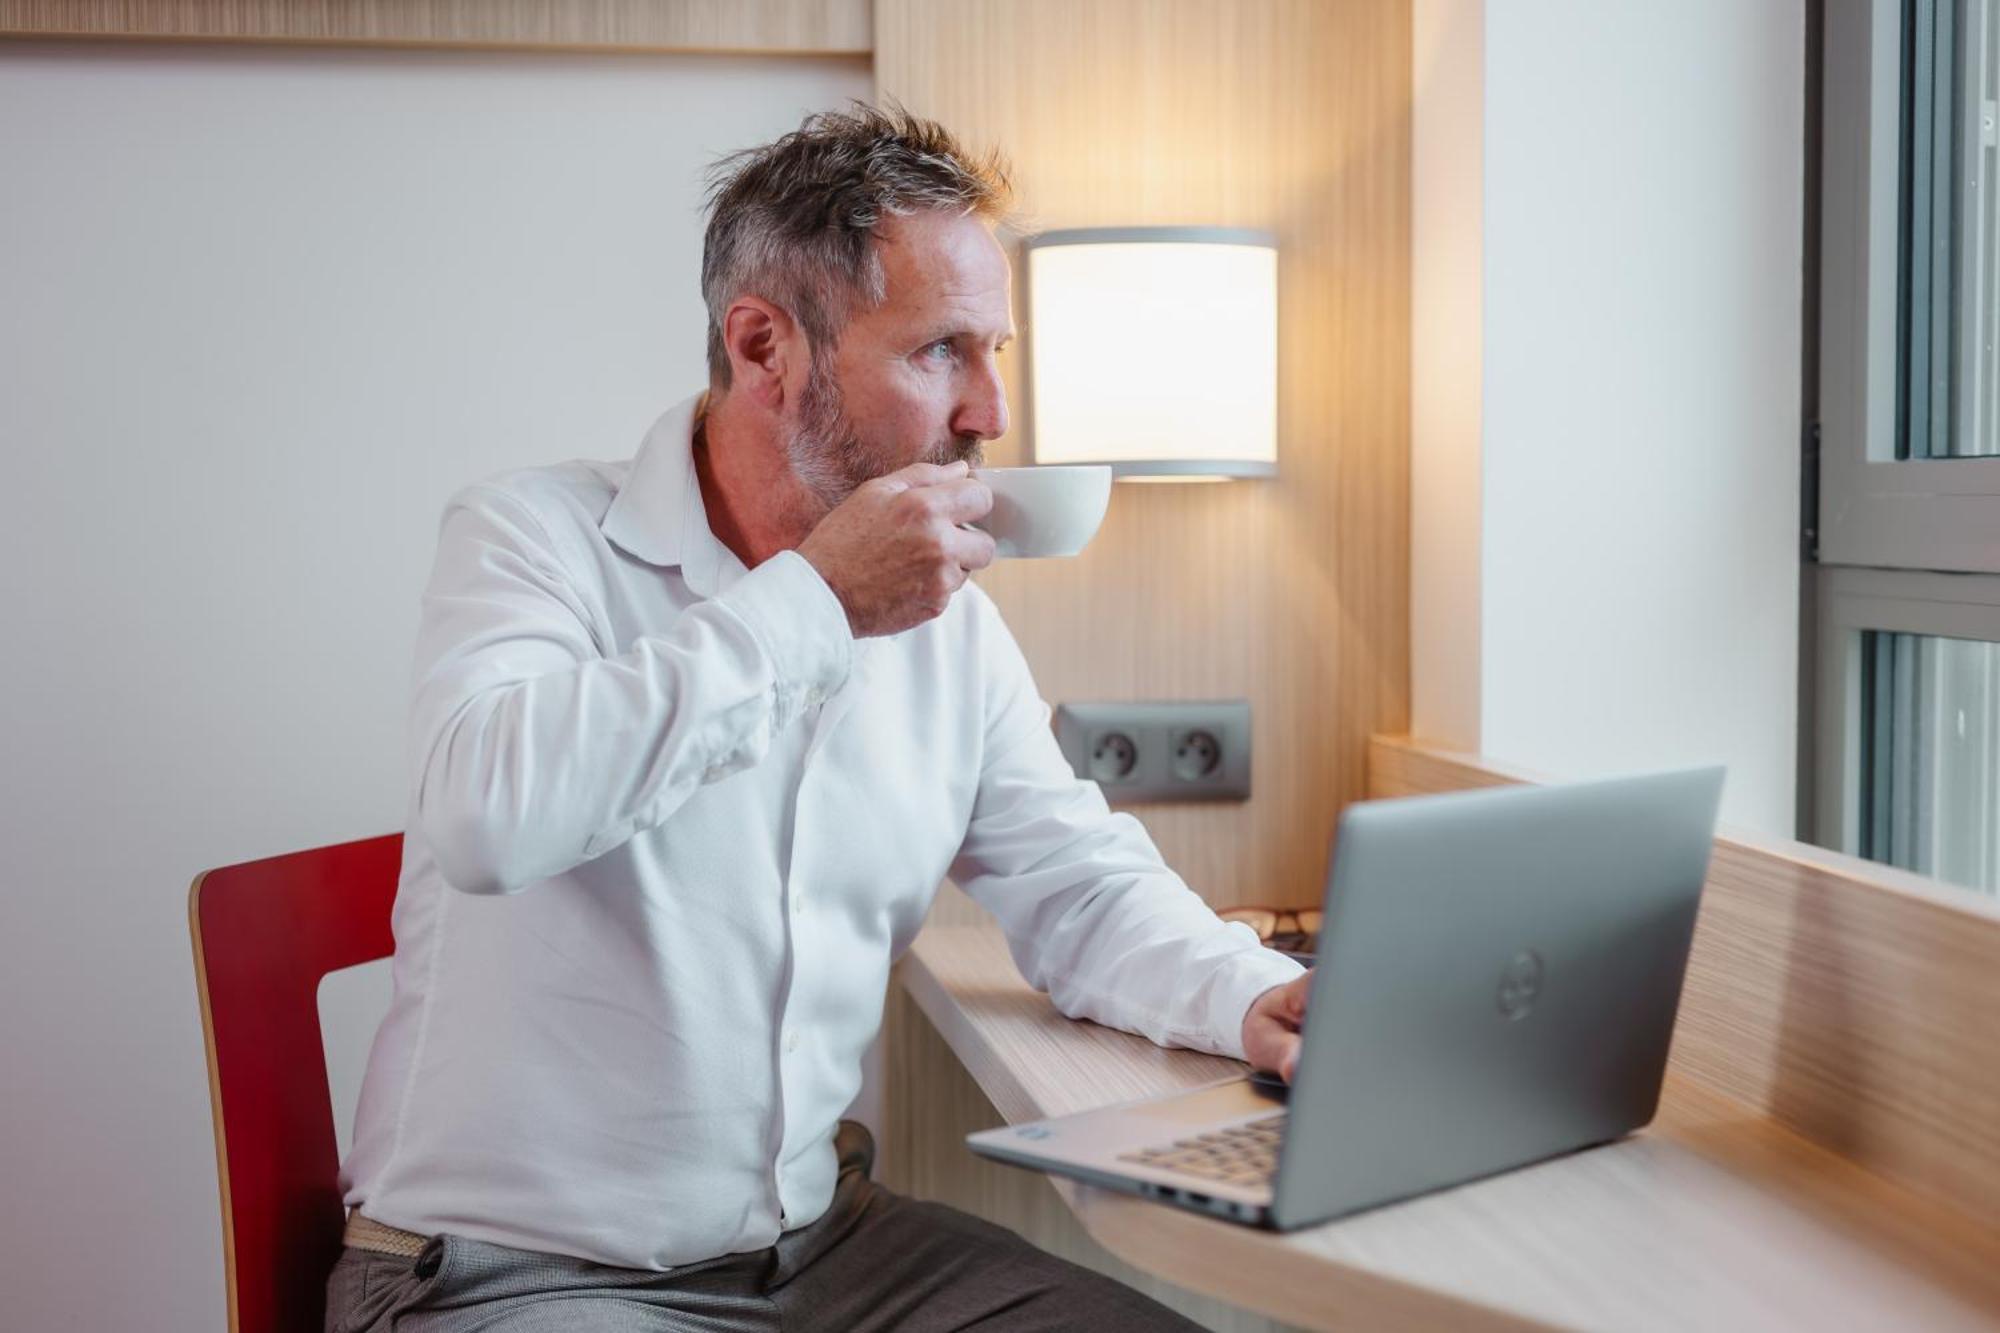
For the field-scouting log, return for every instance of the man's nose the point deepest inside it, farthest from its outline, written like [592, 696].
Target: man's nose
[982, 407]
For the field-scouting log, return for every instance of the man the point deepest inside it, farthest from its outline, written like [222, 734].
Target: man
[695, 738]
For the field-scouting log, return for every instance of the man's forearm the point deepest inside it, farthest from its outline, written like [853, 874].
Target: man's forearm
[536, 754]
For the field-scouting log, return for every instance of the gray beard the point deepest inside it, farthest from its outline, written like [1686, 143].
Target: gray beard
[831, 460]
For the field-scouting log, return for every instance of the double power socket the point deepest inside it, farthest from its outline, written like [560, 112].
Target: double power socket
[1146, 752]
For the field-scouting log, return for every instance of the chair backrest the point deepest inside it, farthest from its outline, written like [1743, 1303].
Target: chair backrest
[265, 932]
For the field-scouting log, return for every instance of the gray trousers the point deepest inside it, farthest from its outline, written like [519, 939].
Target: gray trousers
[875, 1260]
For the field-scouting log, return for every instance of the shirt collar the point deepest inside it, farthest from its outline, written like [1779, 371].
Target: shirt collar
[658, 514]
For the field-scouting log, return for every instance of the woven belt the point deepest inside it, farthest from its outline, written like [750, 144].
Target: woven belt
[365, 1233]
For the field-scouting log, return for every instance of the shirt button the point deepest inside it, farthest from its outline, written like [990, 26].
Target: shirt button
[798, 905]
[792, 1041]
[815, 696]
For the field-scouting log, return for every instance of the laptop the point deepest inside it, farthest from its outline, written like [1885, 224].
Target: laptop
[1496, 982]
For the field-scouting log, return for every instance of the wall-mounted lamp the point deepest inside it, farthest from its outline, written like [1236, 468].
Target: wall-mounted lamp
[1155, 350]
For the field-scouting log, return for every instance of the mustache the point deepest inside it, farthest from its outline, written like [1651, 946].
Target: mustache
[963, 448]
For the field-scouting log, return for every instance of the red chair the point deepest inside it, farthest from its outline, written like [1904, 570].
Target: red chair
[265, 932]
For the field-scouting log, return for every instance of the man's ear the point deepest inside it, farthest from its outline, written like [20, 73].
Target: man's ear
[768, 357]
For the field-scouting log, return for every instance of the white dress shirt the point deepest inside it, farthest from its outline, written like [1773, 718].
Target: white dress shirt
[669, 825]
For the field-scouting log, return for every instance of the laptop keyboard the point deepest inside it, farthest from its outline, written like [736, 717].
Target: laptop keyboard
[1245, 1154]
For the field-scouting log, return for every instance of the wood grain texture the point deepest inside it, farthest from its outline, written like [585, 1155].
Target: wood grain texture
[1288, 115]
[1715, 1217]
[1852, 1002]
[762, 26]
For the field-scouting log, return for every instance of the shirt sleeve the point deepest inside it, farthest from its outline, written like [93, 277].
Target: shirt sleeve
[1092, 914]
[534, 751]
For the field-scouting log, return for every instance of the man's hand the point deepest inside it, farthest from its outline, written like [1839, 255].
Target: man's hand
[1271, 1028]
[893, 552]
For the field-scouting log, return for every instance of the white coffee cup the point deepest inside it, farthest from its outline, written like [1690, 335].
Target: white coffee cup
[1044, 511]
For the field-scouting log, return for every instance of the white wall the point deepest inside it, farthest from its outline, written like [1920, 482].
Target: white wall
[1447, 247]
[1638, 385]
[260, 313]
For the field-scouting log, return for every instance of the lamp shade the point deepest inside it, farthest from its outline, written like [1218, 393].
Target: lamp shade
[1155, 350]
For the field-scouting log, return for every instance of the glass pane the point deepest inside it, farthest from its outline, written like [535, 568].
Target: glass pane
[1948, 289]
[1930, 756]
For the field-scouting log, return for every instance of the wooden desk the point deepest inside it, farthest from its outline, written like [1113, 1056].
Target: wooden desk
[1713, 1218]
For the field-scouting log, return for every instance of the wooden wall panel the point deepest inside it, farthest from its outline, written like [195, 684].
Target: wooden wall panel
[767, 26]
[1851, 1002]
[1291, 115]
[1288, 115]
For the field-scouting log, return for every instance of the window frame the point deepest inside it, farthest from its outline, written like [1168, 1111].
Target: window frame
[1874, 509]
[1951, 605]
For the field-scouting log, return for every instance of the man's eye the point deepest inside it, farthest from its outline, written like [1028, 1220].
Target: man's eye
[945, 343]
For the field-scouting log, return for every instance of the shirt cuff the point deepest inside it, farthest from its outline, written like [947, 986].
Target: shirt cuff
[800, 624]
[1245, 976]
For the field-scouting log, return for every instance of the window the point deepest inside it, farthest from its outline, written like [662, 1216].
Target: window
[1930, 755]
[1910, 440]
[1945, 305]
[1909, 695]
[1907, 589]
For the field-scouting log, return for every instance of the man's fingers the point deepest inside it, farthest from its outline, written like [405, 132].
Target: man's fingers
[1275, 1049]
[954, 579]
[964, 500]
[932, 474]
[1271, 1030]
[1295, 998]
[916, 475]
[972, 548]
[1288, 1056]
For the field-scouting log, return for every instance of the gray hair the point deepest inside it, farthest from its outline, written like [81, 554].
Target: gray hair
[794, 221]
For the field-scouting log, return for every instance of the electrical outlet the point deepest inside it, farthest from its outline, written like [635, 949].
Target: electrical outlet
[1148, 752]
[1196, 755]
[1113, 756]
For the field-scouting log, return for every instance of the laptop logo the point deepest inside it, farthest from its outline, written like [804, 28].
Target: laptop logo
[1033, 1132]
[1520, 984]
